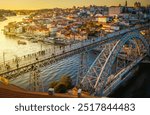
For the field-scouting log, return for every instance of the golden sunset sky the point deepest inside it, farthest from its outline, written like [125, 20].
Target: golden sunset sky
[40, 4]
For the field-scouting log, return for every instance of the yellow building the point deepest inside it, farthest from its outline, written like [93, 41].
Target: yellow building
[103, 19]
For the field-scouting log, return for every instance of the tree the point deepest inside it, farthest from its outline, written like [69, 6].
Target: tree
[60, 88]
[62, 85]
[67, 81]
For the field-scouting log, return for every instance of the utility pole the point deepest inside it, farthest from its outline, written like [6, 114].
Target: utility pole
[17, 61]
[41, 46]
[4, 57]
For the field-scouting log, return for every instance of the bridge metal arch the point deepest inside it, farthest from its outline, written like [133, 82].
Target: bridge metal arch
[114, 54]
[104, 73]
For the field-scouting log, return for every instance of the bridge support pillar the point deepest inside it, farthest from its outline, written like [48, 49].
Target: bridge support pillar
[35, 82]
[83, 67]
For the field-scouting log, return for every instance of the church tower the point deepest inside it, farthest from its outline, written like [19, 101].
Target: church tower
[126, 3]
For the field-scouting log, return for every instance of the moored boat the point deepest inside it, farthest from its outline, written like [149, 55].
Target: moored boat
[22, 42]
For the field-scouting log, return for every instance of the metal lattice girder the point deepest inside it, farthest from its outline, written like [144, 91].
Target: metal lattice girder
[90, 79]
[82, 68]
[112, 57]
[95, 79]
[35, 81]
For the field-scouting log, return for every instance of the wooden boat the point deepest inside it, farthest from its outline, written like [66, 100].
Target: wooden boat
[34, 41]
[22, 42]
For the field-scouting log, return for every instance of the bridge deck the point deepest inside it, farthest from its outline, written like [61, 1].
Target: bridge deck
[51, 55]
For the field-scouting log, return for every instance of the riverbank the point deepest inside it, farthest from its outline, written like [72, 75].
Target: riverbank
[46, 40]
[2, 19]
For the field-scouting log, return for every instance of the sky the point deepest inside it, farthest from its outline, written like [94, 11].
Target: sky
[41, 4]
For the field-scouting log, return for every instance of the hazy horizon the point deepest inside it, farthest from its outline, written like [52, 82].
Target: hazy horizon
[47, 4]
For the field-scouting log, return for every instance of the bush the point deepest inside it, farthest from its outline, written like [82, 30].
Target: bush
[67, 81]
[60, 88]
[62, 85]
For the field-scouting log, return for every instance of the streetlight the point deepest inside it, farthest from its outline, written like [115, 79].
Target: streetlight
[17, 61]
[41, 46]
[4, 57]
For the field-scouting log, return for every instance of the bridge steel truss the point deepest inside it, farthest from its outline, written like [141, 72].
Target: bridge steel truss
[96, 79]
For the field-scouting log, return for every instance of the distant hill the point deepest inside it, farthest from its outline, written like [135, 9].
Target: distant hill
[6, 13]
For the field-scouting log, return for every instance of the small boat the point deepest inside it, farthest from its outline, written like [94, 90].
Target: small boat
[34, 41]
[49, 40]
[22, 42]
[60, 41]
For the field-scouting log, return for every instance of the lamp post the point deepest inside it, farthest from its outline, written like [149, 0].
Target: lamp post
[4, 57]
[54, 49]
[41, 46]
[17, 61]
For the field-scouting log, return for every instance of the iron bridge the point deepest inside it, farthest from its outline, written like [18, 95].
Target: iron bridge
[120, 52]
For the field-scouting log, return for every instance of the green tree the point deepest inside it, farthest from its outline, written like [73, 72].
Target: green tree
[67, 81]
[62, 85]
[60, 88]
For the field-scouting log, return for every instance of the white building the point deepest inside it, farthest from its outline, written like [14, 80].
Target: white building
[53, 30]
[19, 30]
